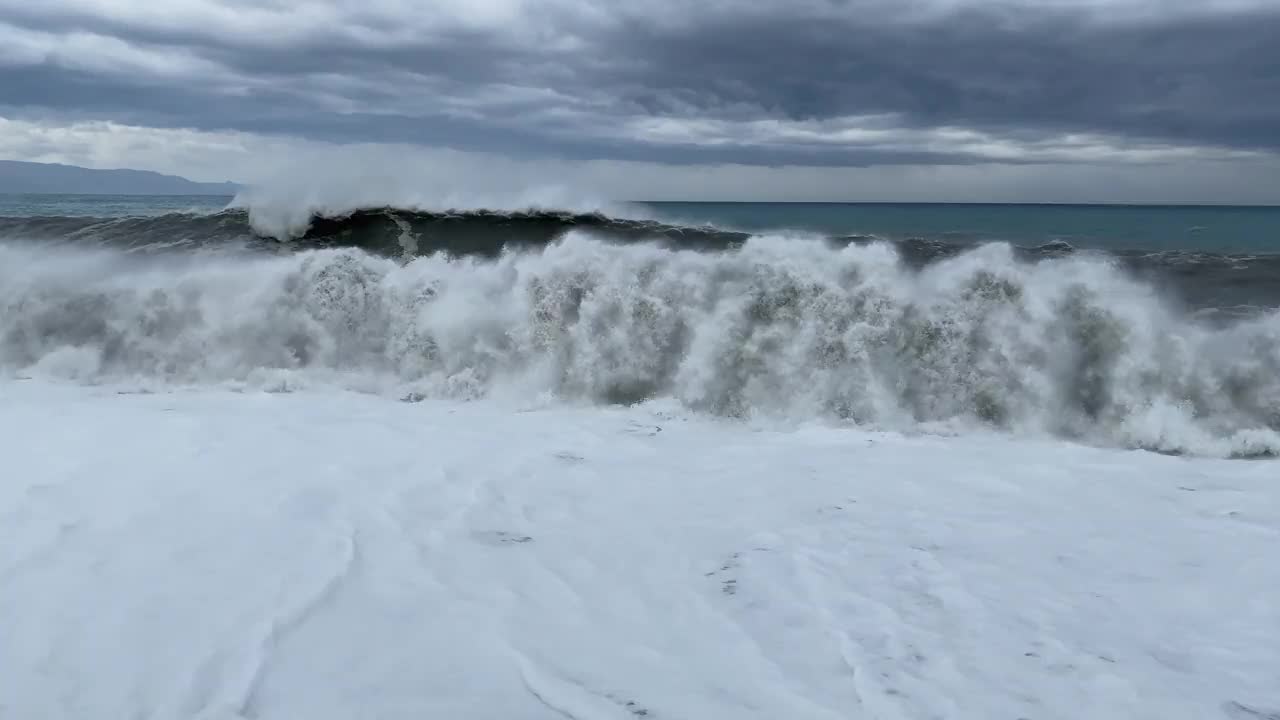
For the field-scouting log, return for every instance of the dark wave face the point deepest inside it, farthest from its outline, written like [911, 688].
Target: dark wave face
[1217, 285]
[383, 231]
[1174, 351]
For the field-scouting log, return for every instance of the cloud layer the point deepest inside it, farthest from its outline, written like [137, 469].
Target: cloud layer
[302, 173]
[833, 83]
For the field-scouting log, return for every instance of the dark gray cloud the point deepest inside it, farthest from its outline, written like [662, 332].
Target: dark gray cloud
[839, 83]
[1203, 79]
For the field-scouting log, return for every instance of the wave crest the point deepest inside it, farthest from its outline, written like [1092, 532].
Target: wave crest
[1227, 286]
[387, 231]
[779, 327]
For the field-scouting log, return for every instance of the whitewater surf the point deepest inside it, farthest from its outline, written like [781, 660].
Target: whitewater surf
[405, 463]
[586, 308]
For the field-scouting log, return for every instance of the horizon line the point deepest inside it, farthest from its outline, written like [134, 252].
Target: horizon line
[966, 203]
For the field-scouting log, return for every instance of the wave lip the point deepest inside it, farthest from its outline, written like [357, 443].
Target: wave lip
[778, 327]
[381, 230]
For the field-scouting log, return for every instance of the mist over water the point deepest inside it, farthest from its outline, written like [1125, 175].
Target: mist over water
[979, 338]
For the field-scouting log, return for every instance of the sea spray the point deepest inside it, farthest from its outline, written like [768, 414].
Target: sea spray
[779, 327]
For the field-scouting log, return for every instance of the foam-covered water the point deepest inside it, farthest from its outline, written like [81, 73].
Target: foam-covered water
[776, 327]
[327, 555]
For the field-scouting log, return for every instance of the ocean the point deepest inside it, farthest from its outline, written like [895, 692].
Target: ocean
[643, 460]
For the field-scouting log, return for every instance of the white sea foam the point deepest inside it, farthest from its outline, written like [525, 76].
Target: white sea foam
[324, 555]
[782, 328]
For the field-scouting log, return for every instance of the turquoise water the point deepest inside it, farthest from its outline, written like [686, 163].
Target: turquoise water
[1219, 229]
[1157, 228]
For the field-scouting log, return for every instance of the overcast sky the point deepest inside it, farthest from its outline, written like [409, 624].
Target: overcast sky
[1040, 100]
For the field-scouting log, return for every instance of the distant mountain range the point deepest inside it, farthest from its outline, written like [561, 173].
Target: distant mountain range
[29, 177]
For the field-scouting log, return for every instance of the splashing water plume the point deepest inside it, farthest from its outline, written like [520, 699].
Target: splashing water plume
[778, 327]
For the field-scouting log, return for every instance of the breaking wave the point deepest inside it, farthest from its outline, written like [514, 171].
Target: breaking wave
[1070, 344]
[383, 231]
[1219, 285]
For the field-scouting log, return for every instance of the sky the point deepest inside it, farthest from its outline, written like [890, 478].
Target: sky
[935, 100]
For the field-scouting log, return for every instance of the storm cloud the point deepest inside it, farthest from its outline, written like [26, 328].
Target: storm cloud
[853, 83]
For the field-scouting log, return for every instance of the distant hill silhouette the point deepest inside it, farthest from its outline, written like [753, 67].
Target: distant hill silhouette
[29, 177]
